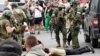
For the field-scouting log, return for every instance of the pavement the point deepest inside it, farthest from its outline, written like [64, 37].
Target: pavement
[45, 38]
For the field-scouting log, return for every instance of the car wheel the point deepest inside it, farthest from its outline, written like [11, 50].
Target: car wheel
[94, 43]
[87, 39]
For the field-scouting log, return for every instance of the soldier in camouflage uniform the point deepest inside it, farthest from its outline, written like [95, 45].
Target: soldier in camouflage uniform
[59, 24]
[5, 26]
[19, 19]
[74, 18]
[26, 9]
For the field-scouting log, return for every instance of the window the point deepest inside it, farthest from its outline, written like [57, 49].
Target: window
[21, 4]
[94, 5]
[98, 9]
[14, 0]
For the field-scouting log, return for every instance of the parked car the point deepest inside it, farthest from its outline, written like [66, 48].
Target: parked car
[92, 23]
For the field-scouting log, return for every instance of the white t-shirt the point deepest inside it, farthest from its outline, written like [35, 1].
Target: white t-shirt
[38, 13]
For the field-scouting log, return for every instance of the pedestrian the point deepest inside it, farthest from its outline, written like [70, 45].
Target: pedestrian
[37, 18]
[64, 52]
[74, 18]
[5, 25]
[43, 5]
[31, 18]
[10, 47]
[32, 47]
[47, 17]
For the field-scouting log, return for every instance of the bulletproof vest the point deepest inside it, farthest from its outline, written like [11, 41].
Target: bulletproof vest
[18, 15]
[54, 15]
[25, 11]
[60, 16]
[55, 11]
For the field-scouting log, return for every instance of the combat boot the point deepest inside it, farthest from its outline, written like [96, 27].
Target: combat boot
[58, 44]
[64, 44]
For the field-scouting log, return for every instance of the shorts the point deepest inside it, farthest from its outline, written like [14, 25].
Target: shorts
[38, 20]
[31, 22]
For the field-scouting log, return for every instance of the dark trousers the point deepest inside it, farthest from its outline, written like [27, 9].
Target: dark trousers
[77, 51]
[63, 31]
[69, 37]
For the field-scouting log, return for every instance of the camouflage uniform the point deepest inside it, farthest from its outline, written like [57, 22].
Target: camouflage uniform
[59, 24]
[26, 11]
[19, 18]
[74, 17]
[4, 22]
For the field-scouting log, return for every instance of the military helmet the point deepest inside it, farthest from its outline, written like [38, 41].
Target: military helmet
[7, 12]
